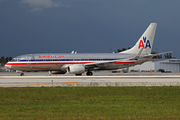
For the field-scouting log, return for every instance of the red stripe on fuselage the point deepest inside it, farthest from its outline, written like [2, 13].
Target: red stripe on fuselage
[123, 62]
[46, 63]
[14, 63]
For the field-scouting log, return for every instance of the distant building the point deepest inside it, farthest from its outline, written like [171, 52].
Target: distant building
[172, 65]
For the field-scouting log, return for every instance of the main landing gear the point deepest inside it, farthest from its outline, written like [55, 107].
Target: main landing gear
[89, 73]
[22, 74]
[78, 74]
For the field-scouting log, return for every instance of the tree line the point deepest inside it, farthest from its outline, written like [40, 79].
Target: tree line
[4, 60]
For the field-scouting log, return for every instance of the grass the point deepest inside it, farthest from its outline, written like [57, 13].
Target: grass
[90, 103]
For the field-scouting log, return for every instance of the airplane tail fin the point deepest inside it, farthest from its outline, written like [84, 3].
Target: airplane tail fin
[145, 41]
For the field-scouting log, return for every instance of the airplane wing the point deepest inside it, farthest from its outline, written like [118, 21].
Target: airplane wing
[97, 64]
[112, 61]
[152, 55]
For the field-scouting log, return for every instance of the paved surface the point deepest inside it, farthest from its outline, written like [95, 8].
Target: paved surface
[101, 73]
[118, 80]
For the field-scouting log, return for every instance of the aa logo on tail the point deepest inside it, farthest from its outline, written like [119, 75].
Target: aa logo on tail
[144, 42]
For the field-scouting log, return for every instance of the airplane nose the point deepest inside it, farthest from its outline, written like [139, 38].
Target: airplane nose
[8, 66]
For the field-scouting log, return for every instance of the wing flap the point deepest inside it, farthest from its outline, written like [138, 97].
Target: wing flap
[97, 64]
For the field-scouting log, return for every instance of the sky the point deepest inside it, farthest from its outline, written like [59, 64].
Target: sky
[86, 26]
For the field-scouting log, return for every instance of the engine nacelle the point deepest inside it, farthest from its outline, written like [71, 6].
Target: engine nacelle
[18, 71]
[57, 72]
[76, 69]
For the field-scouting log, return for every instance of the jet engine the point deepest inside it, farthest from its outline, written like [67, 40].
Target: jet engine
[76, 69]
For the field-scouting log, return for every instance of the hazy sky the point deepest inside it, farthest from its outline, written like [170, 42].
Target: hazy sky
[93, 26]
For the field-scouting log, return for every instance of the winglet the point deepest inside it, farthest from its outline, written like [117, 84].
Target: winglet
[137, 56]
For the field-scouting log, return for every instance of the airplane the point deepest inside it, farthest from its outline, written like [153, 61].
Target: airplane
[60, 63]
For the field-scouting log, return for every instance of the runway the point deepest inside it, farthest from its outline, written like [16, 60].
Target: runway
[85, 81]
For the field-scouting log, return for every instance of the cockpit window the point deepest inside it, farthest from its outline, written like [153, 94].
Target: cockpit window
[16, 59]
[23, 57]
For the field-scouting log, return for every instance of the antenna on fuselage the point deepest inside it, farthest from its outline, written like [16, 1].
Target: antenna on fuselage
[42, 49]
[72, 52]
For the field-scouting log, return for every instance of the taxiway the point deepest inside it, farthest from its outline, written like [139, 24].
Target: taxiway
[72, 81]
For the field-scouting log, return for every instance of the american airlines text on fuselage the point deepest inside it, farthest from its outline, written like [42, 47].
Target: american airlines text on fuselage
[51, 56]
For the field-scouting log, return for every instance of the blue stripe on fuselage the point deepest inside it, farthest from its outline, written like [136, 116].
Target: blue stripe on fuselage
[72, 59]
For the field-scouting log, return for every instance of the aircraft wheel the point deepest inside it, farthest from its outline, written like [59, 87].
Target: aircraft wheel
[50, 73]
[78, 74]
[22, 74]
[89, 73]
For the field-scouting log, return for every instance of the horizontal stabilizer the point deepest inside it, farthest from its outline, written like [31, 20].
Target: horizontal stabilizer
[152, 55]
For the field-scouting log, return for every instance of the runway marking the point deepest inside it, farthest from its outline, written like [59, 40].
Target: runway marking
[80, 77]
[27, 85]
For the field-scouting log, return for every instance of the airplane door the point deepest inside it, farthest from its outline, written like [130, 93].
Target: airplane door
[29, 60]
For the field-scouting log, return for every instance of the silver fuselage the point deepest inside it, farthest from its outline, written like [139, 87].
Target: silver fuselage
[54, 62]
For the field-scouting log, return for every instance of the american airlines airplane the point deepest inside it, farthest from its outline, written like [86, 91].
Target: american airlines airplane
[60, 63]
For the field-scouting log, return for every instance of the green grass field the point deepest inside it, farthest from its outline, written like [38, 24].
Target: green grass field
[90, 103]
